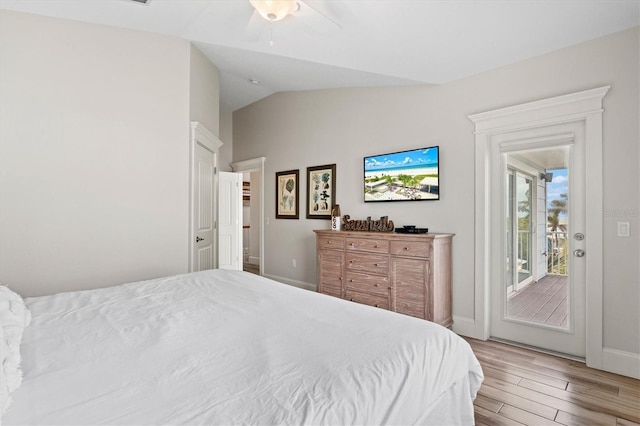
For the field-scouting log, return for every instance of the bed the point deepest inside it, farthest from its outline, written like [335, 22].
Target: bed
[229, 347]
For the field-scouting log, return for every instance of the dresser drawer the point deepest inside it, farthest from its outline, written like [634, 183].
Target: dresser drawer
[331, 242]
[368, 299]
[331, 290]
[368, 244]
[412, 309]
[410, 248]
[331, 264]
[367, 283]
[368, 263]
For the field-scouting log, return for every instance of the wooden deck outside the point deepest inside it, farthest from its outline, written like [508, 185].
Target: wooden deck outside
[544, 301]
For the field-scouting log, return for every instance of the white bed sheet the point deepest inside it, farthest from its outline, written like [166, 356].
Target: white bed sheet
[228, 347]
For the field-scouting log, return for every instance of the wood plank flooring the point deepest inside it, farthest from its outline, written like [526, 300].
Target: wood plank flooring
[544, 301]
[250, 267]
[524, 387]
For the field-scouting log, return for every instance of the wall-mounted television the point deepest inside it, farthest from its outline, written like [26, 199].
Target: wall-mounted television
[402, 176]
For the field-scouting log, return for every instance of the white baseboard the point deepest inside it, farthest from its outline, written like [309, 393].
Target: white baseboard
[465, 327]
[300, 284]
[621, 362]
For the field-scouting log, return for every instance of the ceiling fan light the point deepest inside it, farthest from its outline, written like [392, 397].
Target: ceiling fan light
[274, 10]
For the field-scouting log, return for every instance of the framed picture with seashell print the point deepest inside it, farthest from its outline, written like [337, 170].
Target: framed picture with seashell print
[321, 191]
[287, 194]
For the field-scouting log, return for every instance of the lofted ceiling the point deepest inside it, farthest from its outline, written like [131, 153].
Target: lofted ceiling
[354, 43]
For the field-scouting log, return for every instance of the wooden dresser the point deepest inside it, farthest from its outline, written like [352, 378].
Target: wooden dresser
[406, 273]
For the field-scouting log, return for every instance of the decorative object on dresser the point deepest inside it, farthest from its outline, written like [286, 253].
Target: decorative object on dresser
[335, 218]
[287, 194]
[321, 191]
[411, 229]
[368, 225]
[405, 273]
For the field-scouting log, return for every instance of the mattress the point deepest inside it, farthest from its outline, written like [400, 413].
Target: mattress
[228, 347]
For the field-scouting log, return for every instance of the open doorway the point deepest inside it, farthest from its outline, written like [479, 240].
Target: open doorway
[253, 172]
[250, 238]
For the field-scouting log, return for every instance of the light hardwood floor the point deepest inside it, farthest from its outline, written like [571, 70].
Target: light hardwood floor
[252, 268]
[531, 388]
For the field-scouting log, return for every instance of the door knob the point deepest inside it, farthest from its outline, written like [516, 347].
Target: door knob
[578, 252]
[198, 239]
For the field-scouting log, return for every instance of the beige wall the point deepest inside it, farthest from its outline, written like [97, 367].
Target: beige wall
[204, 93]
[301, 129]
[94, 152]
[226, 136]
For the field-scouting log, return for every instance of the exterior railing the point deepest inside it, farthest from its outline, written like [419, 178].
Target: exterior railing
[557, 253]
[524, 245]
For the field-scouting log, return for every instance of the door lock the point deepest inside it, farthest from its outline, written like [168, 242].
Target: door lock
[579, 252]
[198, 239]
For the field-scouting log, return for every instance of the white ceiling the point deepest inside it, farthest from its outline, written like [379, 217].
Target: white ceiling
[355, 43]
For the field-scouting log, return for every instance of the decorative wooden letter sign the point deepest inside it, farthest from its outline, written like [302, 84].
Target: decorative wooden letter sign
[368, 225]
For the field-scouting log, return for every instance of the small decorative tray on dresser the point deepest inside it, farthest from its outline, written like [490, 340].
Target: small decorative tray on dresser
[409, 273]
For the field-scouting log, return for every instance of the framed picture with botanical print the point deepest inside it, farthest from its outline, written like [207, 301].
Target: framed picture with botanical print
[321, 191]
[287, 194]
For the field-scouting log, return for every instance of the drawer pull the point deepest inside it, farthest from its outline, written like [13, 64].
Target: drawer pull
[376, 285]
[375, 264]
[352, 245]
[376, 305]
[351, 280]
[376, 246]
[406, 248]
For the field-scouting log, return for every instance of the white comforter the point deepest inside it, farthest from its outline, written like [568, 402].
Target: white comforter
[227, 347]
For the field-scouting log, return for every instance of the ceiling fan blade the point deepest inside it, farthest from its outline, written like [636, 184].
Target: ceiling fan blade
[314, 18]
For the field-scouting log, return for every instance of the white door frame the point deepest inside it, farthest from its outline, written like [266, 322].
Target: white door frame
[203, 137]
[585, 107]
[255, 165]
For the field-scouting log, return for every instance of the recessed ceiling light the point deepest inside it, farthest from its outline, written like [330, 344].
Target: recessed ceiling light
[254, 81]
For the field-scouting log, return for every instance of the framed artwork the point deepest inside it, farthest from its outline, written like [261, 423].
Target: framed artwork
[287, 194]
[321, 191]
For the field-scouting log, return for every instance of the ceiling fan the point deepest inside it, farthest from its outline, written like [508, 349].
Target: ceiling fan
[271, 11]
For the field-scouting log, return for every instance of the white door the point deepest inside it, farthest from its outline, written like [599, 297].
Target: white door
[203, 220]
[545, 309]
[230, 220]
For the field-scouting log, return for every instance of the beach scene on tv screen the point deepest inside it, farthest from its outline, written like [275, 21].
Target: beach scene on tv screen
[402, 176]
